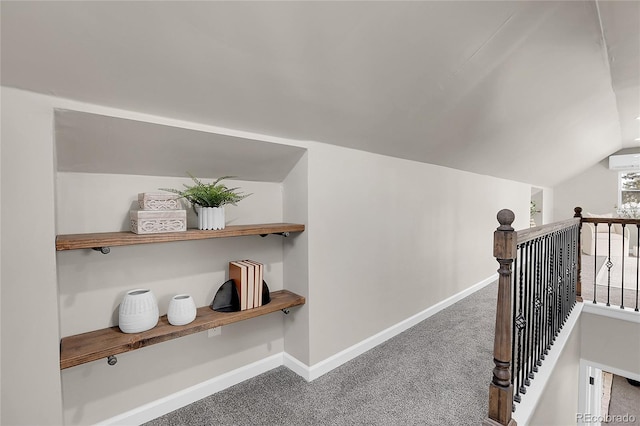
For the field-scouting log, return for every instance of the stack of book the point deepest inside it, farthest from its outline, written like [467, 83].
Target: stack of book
[247, 275]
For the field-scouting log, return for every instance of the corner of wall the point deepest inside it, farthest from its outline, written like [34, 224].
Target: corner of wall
[296, 259]
[30, 345]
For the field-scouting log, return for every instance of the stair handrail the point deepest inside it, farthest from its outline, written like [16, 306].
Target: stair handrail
[507, 243]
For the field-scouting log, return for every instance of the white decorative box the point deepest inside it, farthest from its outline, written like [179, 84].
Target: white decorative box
[159, 201]
[157, 221]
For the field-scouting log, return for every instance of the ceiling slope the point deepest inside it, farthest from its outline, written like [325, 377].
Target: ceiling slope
[518, 90]
[621, 30]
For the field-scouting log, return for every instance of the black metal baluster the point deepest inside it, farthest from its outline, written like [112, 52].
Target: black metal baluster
[554, 291]
[568, 275]
[563, 275]
[570, 270]
[623, 257]
[559, 282]
[520, 326]
[609, 265]
[555, 288]
[576, 262]
[565, 279]
[525, 290]
[595, 263]
[637, 262]
[515, 362]
[571, 288]
[528, 312]
[539, 255]
[545, 297]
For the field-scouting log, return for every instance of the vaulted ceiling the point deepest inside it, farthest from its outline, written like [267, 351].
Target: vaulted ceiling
[530, 91]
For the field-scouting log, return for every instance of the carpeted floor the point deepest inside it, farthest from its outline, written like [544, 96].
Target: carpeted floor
[436, 373]
[625, 401]
[601, 291]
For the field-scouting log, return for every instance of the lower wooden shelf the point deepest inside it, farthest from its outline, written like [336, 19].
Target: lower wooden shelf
[91, 346]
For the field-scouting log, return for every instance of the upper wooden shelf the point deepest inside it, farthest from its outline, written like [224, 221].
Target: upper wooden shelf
[112, 239]
[91, 346]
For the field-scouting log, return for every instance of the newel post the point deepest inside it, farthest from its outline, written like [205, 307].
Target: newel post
[501, 389]
[578, 213]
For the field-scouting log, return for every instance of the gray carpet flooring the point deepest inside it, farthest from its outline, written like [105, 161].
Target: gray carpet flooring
[625, 401]
[436, 373]
[615, 293]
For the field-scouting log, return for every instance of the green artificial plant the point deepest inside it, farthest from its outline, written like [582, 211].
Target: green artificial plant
[213, 194]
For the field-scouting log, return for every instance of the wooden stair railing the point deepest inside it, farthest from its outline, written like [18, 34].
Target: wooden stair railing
[537, 289]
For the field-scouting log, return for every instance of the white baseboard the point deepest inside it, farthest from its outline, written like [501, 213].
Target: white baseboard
[323, 367]
[194, 393]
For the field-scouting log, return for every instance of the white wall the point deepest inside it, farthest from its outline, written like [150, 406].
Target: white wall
[620, 350]
[537, 197]
[296, 259]
[386, 238]
[30, 340]
[1, 267]
[595, 190]
[558, 404]
[390, 237]
[548, 205]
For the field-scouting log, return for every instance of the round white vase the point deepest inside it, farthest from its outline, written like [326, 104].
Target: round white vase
[182, 310]
[138, 311]
[210, 217]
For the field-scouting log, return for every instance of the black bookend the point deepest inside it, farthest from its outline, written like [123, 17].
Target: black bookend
[226, 298]
[266, 297]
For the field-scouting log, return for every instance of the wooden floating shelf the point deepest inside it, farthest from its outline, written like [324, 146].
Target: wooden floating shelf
[112, 239]
[91, 346]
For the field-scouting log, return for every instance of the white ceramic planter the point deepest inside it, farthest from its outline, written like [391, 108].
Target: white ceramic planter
[210, 217]
[138, 311]
[182, 310]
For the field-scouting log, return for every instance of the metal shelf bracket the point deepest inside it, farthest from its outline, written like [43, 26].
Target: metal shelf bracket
[103, 250]
[284, 234]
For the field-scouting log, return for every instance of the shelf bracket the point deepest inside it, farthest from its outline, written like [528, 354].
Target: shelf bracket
[286, 311]
[284, 234]
[103, 250]
[112, 360]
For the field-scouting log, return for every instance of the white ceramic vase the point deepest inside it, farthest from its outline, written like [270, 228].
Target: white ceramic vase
[182, 310]
[138, 311]
[210, 217]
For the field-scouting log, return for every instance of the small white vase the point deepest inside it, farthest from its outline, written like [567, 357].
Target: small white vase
[138, 311]
[210, 217]
[182, 310]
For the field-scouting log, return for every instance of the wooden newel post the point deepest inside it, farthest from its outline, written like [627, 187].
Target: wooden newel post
[501, 389]
[578, 213]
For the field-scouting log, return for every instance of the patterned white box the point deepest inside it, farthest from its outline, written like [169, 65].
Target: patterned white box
[158, 221]
[159, 201]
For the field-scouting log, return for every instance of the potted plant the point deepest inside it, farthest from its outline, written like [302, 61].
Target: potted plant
[208, 200]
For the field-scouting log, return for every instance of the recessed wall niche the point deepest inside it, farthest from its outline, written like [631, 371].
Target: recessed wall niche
[102, 162]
